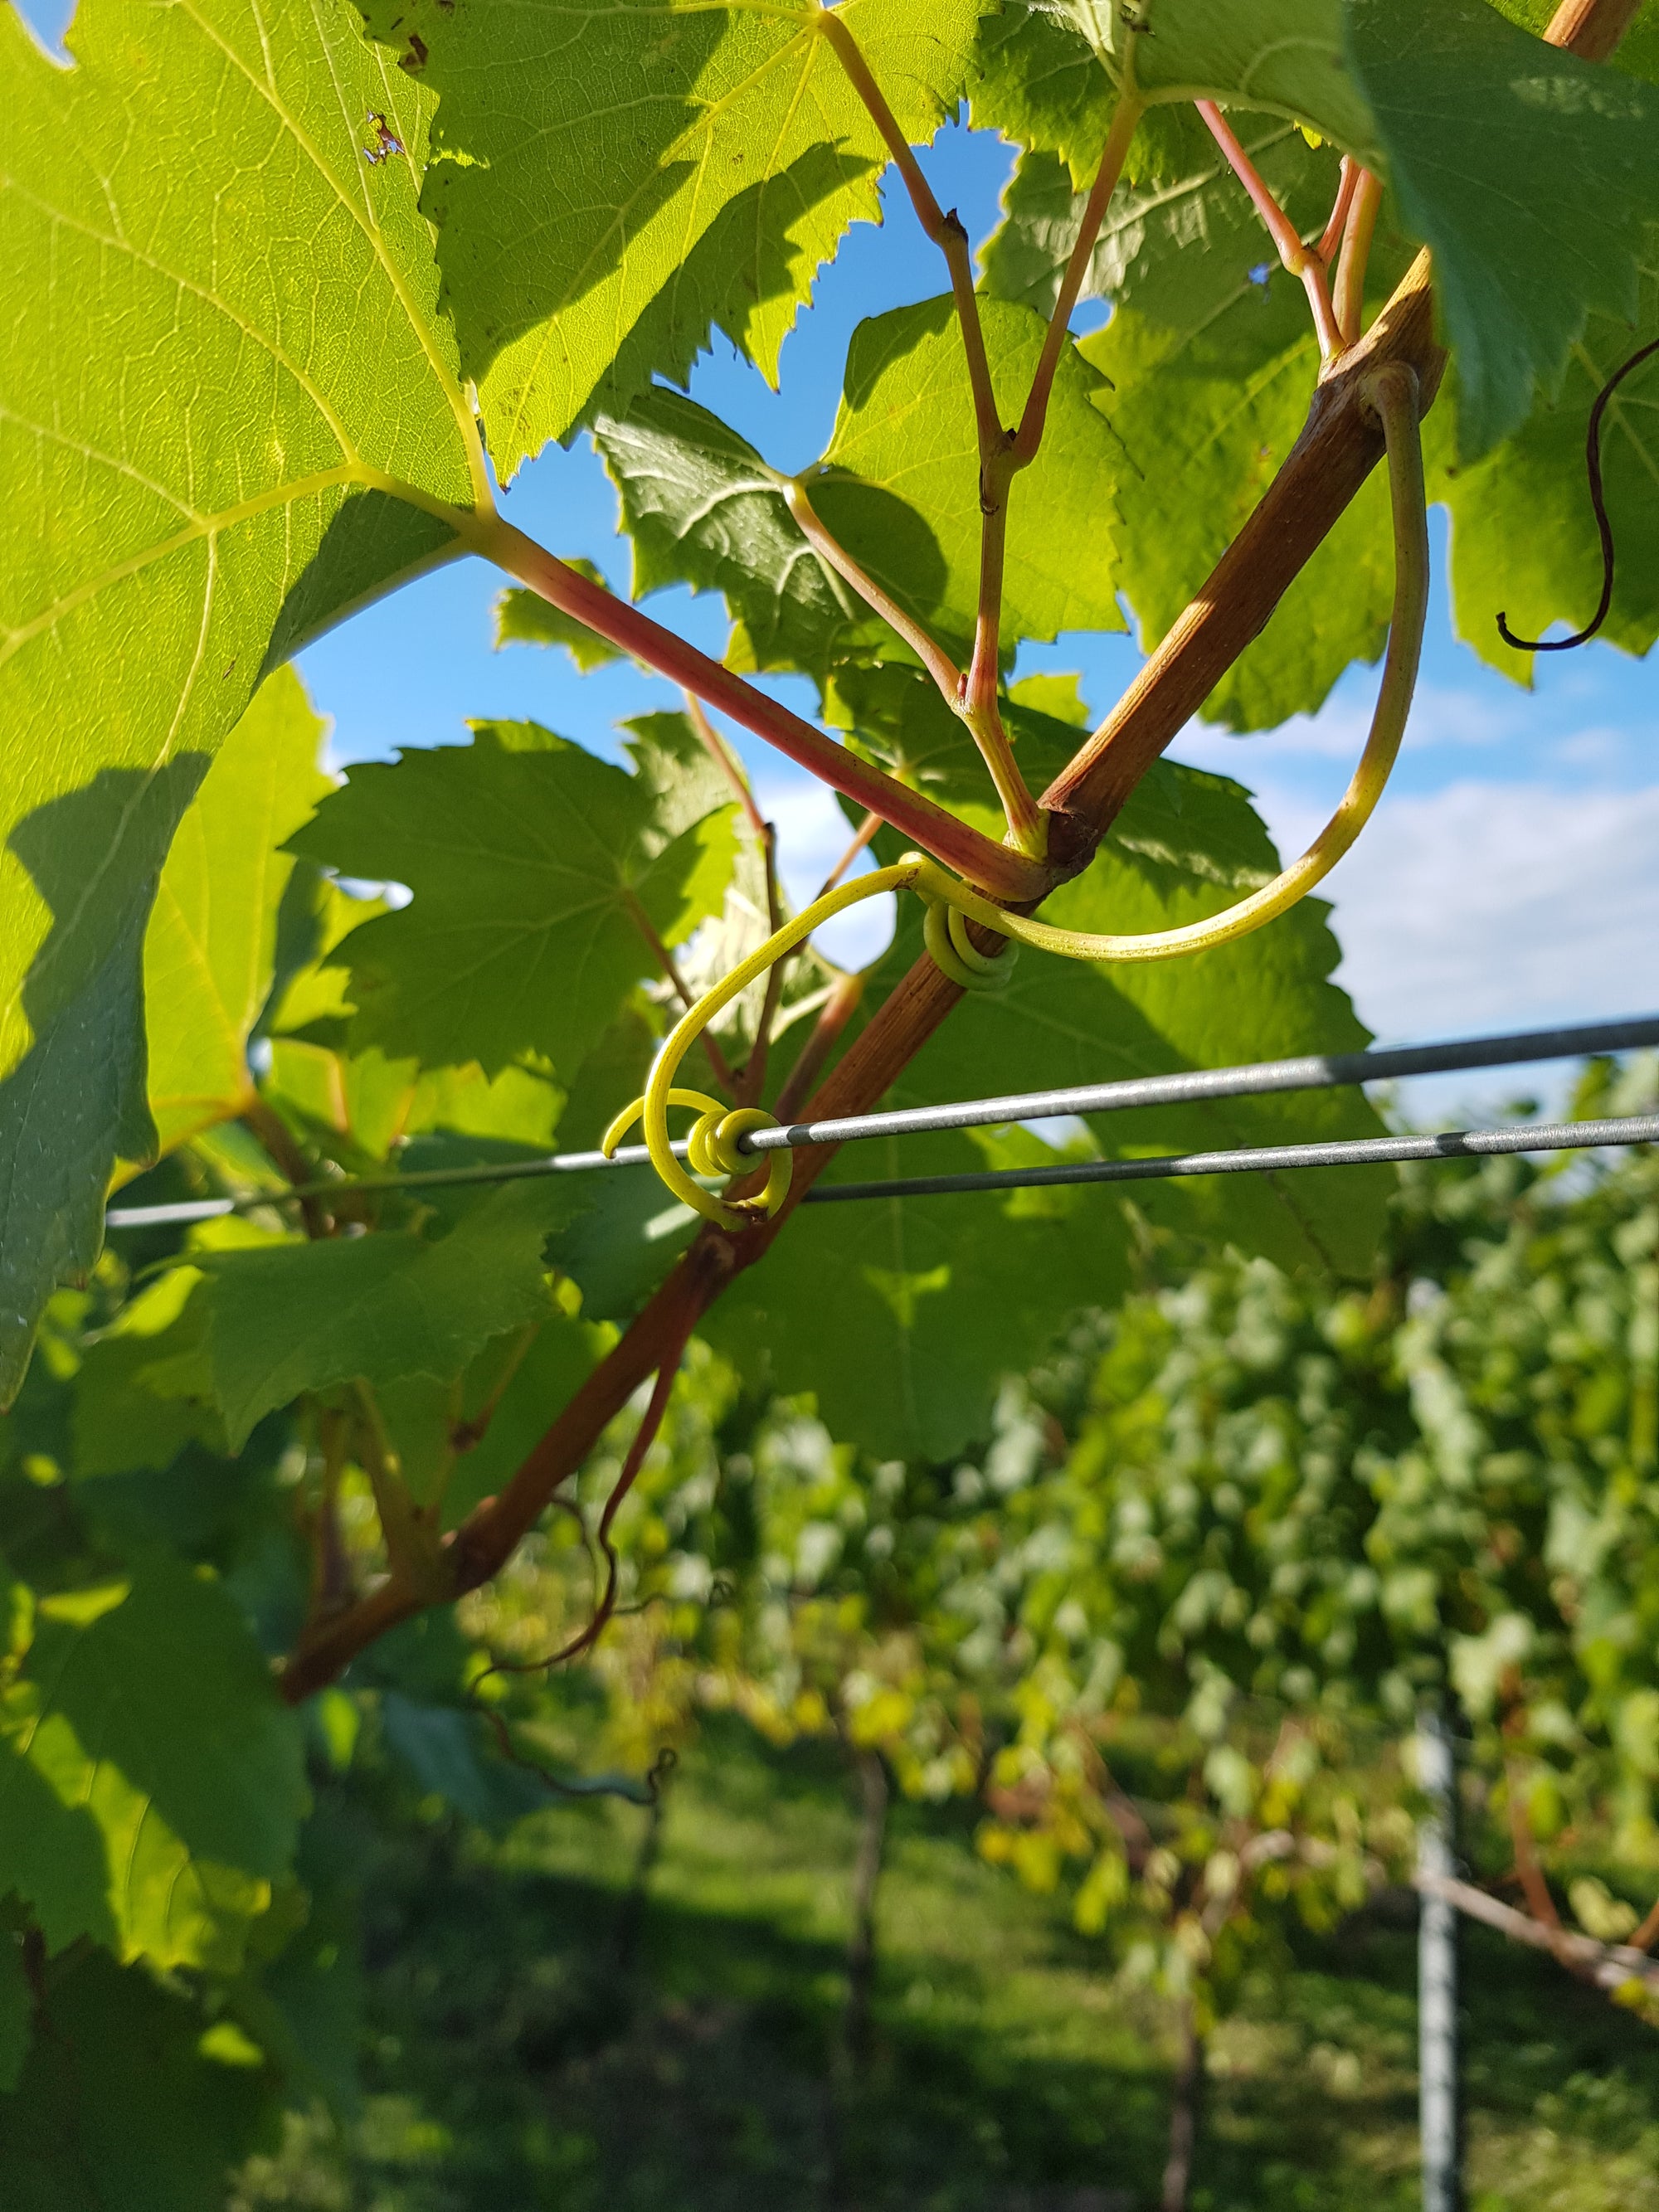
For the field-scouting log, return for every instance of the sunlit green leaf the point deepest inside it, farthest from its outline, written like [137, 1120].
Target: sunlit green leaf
[609, 187]
[537, 881]
[235, 413]
[212, 941]
[525, 618]
[901, 494]
[151, 1781]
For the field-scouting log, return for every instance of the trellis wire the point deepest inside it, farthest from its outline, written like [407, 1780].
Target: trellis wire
[1313, 1073]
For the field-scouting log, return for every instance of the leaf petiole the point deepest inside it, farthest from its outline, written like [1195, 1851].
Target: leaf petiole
[1359, 226]
[1302, 260]
[999, 869]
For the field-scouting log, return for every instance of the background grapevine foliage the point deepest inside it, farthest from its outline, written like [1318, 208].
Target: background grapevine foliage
[1081, 1504]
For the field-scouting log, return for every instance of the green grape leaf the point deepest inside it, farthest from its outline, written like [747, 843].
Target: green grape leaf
[152, 1781]
[1284, 56]
[703, 508]
[130, 2102]
[539, 873]
[1532, 176]
[526, 618]
[1036, 79]
[902, 491]
[1058, 697]
[936, 1298]
[210, 950]
[1179, 251]
[141, 1391]
[1215, 412]
[290, 1317]
[560, 1358]
[608, 188]
[17, 2013]
[1523, 536]
[237, 415]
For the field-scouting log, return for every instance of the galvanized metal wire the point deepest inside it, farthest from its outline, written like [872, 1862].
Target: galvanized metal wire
[1315, 1072]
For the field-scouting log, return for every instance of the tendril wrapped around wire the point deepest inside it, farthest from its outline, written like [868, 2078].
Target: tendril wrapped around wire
[716, 1143]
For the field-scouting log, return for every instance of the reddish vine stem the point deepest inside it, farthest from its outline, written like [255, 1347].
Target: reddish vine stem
[1337, 451]
[720, 1066]
[1348, 293]
[1331, 237]
[945, 231]
[1305, 262]
[861, 837]
[1029, 436]
[644, 1437]
[998, 870]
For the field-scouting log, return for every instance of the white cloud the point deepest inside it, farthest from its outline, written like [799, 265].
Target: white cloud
[812, 834]
[1501, 905]
[1441, 716]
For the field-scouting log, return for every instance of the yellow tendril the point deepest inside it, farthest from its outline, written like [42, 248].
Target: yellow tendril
[1392, 391]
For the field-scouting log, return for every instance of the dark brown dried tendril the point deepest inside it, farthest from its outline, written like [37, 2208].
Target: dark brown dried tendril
[603, 1611]
[1592, 468]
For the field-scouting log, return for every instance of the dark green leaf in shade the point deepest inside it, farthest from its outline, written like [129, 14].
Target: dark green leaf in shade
[444, 1752]
[536, 886]
[610, 188]
[16, 2010]
[289, 1317]
[131, 2101]
[151, 1781]
[239, 408]
[1523, 535]
[1532, 176]
[142, 1391]
[525, 617]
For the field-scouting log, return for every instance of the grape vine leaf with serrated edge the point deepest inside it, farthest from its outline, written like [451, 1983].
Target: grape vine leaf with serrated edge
[610, 186]
[209, 948]
[291, 1317]
[130, 2100]
[533, 868]
[703, 508]
[1035, 78]
[901, 494]
[120, 1422]
[1177, 250]
[152, 1780]
[357, 1105]
[239, 412]
[1216, 411]
[1530, 174]
[525, 617]
[1286, 56]
[1523, 535]
[935, 1299]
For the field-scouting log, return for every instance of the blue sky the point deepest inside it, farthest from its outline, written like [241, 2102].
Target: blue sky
[1507, 879]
